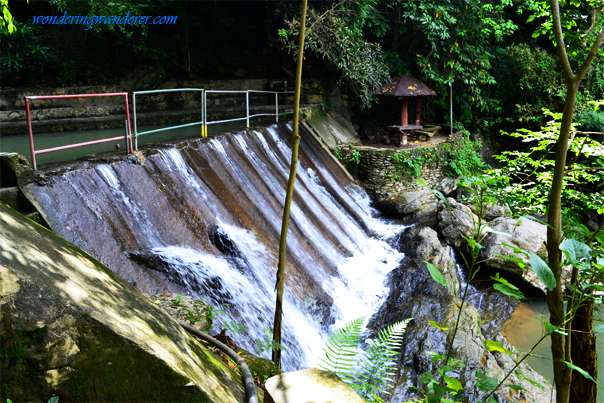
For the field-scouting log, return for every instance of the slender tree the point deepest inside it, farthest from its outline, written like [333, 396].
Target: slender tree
[289, 193]
[561, 350]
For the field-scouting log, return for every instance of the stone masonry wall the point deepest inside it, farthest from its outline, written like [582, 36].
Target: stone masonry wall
[376, 170]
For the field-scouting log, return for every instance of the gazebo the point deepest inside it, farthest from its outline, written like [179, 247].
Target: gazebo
[405, 87]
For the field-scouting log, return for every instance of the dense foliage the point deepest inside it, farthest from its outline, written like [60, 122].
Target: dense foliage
[525, 176]
[502, 68]
[360, 62]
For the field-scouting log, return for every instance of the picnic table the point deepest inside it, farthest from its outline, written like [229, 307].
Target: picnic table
[424, 133]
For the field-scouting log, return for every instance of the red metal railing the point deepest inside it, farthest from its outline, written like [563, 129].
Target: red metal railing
[34, 152]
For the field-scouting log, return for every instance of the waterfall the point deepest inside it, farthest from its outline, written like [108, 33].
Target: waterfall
[209, 215]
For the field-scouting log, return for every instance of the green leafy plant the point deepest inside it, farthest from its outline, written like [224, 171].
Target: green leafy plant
[212, 312]
[373, 372]
[462, 157]
[525, 178]
[234, 327]
[341, 350]
[178, 300]
[338, 153]
[459, 158]
[356, 157]
[22, 50]
[591, 121]
[334, 37]
[267, 343]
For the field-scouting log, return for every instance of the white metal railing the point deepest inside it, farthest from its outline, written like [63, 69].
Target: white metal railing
[136, 133]
[204, 110]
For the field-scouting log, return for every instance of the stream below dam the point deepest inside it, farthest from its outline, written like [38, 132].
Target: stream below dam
[524, 329]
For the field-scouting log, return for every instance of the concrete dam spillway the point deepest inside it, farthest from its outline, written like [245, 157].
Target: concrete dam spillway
[203, 217]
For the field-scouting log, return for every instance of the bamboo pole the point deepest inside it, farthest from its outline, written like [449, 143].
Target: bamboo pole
[289, 194]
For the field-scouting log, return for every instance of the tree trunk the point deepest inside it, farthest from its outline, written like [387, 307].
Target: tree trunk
[289, 193]
[561, 349]
[583, 354]
[555, 301]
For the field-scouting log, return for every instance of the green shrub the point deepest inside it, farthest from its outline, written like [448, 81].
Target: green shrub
[591, 121]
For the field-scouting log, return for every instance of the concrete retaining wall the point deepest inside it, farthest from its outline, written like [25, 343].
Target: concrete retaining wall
[153, 109]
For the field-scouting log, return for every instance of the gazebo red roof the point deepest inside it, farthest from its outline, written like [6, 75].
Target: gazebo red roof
[405, 86]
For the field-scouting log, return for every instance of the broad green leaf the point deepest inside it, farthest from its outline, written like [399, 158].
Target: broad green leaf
[453, 383]
[513, 259]
[436, 274]
[486, 384]
[515, 387]
[549, 327]
[54, 399]
[599, 329]
[435, 356]
[427, 377]
[493, 345]
[537, 384]
[456, 362]
[516, 250]
[438, 326]
[503, 288]
[574, 249]
[579, 370]
[543, 271]
[494, 231]
[436, 193]
[537, 220]
[436, 394]
[504, 281]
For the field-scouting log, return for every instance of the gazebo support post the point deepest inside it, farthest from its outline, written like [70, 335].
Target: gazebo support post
[404, 111]
[417, 109]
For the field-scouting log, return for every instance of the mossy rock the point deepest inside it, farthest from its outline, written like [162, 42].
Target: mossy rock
[261, 368]
[71, 327]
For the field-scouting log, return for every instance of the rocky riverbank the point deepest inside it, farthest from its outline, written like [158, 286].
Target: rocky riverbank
[436, 235]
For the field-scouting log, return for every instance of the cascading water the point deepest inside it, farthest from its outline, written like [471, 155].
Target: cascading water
[207, 216]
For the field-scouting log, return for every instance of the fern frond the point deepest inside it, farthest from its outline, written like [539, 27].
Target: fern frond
[379, 362]
[341, 350]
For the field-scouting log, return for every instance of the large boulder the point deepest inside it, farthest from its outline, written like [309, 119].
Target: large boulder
[422, 337]
[70, 326]
[495, 211]
[412, 205]
[455, 221]
[421, 244]
[524, 234]
[414, 294]
[309, 386]
[446, 184]
[412, 277]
